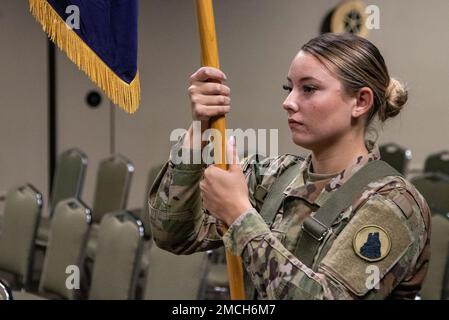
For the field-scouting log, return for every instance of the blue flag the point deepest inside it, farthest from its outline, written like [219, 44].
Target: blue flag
[100, 37]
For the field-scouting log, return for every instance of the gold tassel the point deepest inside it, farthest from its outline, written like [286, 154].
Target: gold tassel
[126, 96]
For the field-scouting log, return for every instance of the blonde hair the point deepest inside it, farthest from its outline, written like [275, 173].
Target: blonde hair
[358, 63]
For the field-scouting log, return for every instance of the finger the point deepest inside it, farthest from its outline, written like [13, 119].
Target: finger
[208, 73]
[209, 88]
[232, 157]
[211, 100]
[206, 112]
[211, 174]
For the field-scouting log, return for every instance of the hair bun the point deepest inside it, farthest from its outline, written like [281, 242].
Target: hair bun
[396, 96]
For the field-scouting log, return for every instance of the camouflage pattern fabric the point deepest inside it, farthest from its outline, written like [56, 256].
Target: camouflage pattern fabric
[392, 206]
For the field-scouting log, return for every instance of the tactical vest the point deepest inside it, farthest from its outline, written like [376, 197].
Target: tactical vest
[316, 236]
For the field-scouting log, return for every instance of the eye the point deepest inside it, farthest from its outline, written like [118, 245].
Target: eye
[287, 88]
[309, 89]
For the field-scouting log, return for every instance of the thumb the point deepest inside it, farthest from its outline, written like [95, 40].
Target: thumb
[231, 153]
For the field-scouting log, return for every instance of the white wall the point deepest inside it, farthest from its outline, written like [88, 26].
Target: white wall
[23, 98]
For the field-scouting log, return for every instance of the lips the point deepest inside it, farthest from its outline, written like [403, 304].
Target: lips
[295, 122]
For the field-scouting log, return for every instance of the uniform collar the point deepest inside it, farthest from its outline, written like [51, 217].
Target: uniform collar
[316, 192]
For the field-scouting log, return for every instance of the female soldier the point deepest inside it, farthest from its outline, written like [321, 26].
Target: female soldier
[336, 225]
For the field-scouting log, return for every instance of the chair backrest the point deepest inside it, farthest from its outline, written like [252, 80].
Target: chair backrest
[23, 207]
[67, 241]
[174, 277]
[435, 189]
[69, 177]
[5, 291]
[117, 259]
[144, 212]
[112, 186]
[395, 156]
[438, 162]
[436, 284]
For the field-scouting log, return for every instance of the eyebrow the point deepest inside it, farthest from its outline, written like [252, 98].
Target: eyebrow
[304, 79]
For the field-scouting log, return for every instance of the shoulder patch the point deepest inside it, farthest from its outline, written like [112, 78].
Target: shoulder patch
[377, 236]
[372, 243]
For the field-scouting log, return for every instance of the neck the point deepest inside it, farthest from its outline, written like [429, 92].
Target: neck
[338, 156]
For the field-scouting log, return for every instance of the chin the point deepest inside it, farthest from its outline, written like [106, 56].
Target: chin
[302, 141]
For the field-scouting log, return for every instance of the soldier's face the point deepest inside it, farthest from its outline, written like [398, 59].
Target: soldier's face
[319, 111]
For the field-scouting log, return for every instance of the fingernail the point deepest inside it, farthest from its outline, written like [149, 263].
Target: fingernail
[232, 141]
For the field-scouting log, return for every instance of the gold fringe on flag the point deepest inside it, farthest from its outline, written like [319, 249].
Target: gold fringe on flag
[126, 96]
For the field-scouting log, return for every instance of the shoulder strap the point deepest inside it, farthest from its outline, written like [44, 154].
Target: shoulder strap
[315, 229]
[272, 200]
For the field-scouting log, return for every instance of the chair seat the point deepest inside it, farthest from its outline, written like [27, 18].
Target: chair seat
[23, 295]
[43, 231]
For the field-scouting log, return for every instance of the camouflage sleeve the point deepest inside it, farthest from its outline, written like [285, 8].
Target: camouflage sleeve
[343, 273]
[179, 223]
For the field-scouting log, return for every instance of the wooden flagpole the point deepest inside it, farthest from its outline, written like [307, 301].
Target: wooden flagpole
[209, 57]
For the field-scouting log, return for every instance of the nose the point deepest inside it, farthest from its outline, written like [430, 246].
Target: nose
[289, 104]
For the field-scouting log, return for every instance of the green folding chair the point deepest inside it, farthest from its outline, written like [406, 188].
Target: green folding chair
[396, 156]
[436, 284]
[23, 207]
[67, 241]
[117, 259]
[111, 193]
[67, 183]
[437, 162]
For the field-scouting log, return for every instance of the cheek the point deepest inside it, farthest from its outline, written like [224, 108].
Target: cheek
[331, 115]
[325, 117]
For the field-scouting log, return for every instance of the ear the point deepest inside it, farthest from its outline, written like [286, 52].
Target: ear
[364, 100]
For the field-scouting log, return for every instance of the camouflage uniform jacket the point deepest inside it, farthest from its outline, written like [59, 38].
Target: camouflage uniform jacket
[392, 205]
